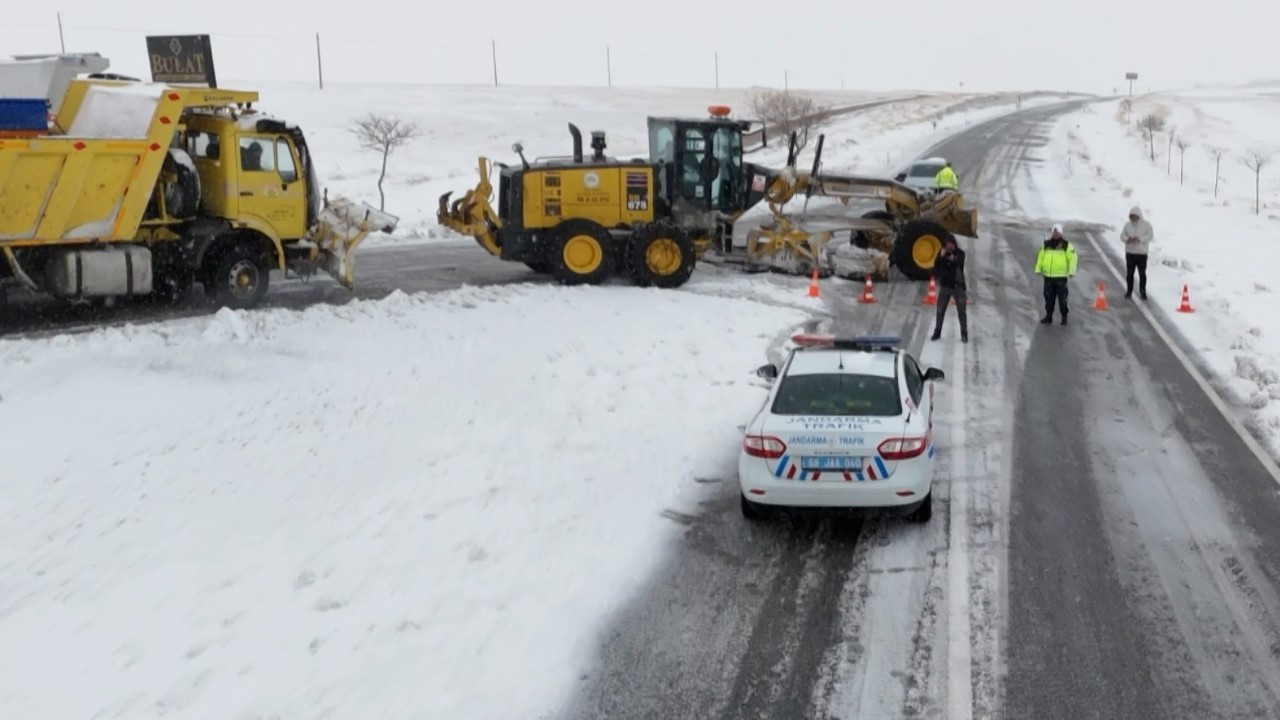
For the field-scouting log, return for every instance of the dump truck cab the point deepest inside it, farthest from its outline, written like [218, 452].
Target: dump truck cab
[254, 171]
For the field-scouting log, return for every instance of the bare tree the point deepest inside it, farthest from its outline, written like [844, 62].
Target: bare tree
[1256, 159]
[1216, 153]
[1168, 165]
[383, 134]
[786, 111]
[1152, 124]
[1183, 144]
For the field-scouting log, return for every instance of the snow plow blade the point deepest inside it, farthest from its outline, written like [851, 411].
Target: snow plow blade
[341, 226]
[472, 214]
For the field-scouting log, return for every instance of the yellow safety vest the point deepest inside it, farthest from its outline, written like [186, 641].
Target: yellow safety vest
[1055, 262]
[946, 179]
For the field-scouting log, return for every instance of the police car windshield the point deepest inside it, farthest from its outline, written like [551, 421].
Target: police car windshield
[837, 394]
[925, 170]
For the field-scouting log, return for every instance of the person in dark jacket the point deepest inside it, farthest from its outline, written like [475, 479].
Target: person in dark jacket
[949, 271]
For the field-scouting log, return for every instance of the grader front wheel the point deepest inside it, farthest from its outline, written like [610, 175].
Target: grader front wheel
[916, 250]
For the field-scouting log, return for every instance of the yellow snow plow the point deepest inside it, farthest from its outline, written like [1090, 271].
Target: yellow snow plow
[584, 218]
[139, 188]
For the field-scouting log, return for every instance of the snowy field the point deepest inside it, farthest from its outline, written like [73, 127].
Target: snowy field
[1215, 245]
[390, 508]
[385, 509]
[459, 124]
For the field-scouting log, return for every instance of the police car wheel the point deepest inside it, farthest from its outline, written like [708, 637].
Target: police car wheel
[923, 513]
[750, 510]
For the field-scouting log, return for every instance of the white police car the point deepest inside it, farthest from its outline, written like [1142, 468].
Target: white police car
[848, 423]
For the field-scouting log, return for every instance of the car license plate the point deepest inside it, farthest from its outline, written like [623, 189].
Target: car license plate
[831, 462]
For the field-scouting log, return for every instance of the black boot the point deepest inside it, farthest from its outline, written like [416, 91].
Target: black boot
[1064, 318]
[1046, 319]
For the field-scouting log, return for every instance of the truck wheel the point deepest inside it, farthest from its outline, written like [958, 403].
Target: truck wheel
[239, 277]
[582, 252]
[182, 198]
[861, 239]
[917, 248]
[661, 255]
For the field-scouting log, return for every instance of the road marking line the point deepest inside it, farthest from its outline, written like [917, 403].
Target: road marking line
[1264, 458]
[959, 671]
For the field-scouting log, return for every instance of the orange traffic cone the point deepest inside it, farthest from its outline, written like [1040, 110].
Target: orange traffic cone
[868, 295]
[813, 285]
[1101, 302]
[931, 297]
[1185, 307]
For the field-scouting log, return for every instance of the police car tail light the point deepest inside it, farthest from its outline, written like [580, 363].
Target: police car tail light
[903, 448]
[764, 446]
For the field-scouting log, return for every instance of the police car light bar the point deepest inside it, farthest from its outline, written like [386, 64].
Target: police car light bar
[861, 342]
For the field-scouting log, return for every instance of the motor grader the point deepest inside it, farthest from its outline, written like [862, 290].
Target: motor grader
[584, 219]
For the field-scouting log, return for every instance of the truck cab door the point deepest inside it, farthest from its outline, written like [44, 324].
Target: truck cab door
[270, 186]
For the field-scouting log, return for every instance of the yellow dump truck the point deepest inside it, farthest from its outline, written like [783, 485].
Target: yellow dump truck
[139, 188]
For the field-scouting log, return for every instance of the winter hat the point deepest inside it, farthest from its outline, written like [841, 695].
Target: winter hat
[1057, 228]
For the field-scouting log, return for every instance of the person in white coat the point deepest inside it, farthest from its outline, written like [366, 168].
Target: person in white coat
[1137, 236]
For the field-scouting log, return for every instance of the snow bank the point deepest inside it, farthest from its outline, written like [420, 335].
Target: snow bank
[425, 506]
[1218, 247]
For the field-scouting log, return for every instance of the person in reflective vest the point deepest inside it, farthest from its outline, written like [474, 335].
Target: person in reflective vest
[1057, 264]
[946, 179]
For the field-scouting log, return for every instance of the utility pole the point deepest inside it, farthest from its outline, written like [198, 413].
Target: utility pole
[786, 81]
[717, 70]
[494, 45]
[319, 64]
[608, 64]
[61, 39]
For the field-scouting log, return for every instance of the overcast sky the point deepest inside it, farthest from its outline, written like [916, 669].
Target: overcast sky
[1084, 45]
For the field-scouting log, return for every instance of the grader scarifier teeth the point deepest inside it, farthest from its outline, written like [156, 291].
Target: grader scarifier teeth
[472, 214]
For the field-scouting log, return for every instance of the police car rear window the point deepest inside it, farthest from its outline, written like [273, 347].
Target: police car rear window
[925, 170]
[837, 394]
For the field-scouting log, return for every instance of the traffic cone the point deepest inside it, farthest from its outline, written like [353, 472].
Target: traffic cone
[868, 295]
[1185, 307]
[1101, 302]
[931, 298]
[813, 285]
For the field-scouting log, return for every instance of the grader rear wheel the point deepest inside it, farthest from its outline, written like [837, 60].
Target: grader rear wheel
[582, 253]
[661, 255]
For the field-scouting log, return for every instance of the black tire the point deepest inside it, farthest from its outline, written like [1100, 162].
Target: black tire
[923, 513]
[860, 238]
[238, 276]
[750, 510]
[182, 198]
[661, 255]
[582, 253]
[917, 247]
